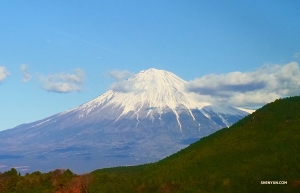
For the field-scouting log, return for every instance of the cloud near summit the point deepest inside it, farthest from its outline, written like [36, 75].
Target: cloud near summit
[119, 75]
[63, 82]
[121, 85]
[259, 87]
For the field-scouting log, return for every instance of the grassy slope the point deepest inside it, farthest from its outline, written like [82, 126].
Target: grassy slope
[263, 146]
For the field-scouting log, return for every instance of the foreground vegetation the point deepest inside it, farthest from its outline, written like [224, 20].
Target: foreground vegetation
[263, 146]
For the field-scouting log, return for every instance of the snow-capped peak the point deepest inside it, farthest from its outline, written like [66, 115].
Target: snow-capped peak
[147, 93]
[155, 88]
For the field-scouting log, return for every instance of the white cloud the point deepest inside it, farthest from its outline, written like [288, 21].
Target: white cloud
[63, 82]
[4, 73]
[121, 84]
[119, 75]
[249, 88]
[20, 167]
[25, 74]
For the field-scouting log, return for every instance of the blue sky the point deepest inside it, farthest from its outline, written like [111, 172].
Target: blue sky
[56, 55]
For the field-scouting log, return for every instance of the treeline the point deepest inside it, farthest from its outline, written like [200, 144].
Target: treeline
[58, 181]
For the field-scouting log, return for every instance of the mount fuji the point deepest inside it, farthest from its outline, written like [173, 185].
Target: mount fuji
[143, 119]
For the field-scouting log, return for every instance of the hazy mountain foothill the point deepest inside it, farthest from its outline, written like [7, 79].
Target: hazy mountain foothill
[263, 146]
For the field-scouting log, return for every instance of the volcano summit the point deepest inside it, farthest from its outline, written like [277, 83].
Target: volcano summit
[143, 119]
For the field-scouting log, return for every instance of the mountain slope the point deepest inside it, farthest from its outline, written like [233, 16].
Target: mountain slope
[263, 146]
[140, 120]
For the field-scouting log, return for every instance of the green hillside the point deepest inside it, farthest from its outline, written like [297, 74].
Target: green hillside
[264, 146]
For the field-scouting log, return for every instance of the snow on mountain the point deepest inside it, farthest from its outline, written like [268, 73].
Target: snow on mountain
[250, 111]
[149, 92]
[142, 119]
[152, 89]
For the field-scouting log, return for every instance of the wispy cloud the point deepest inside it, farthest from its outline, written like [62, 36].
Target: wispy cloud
[25, 74]
[63, 82]
[121, 84]
[4, 73]
[119, 75]
[249, 88]
[297, 55]
[20, 167]
[80, 39]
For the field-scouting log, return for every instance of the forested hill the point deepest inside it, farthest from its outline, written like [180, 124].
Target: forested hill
[263, 146]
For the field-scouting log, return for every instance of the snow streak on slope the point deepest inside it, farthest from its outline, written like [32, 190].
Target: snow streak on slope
[250, 111]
